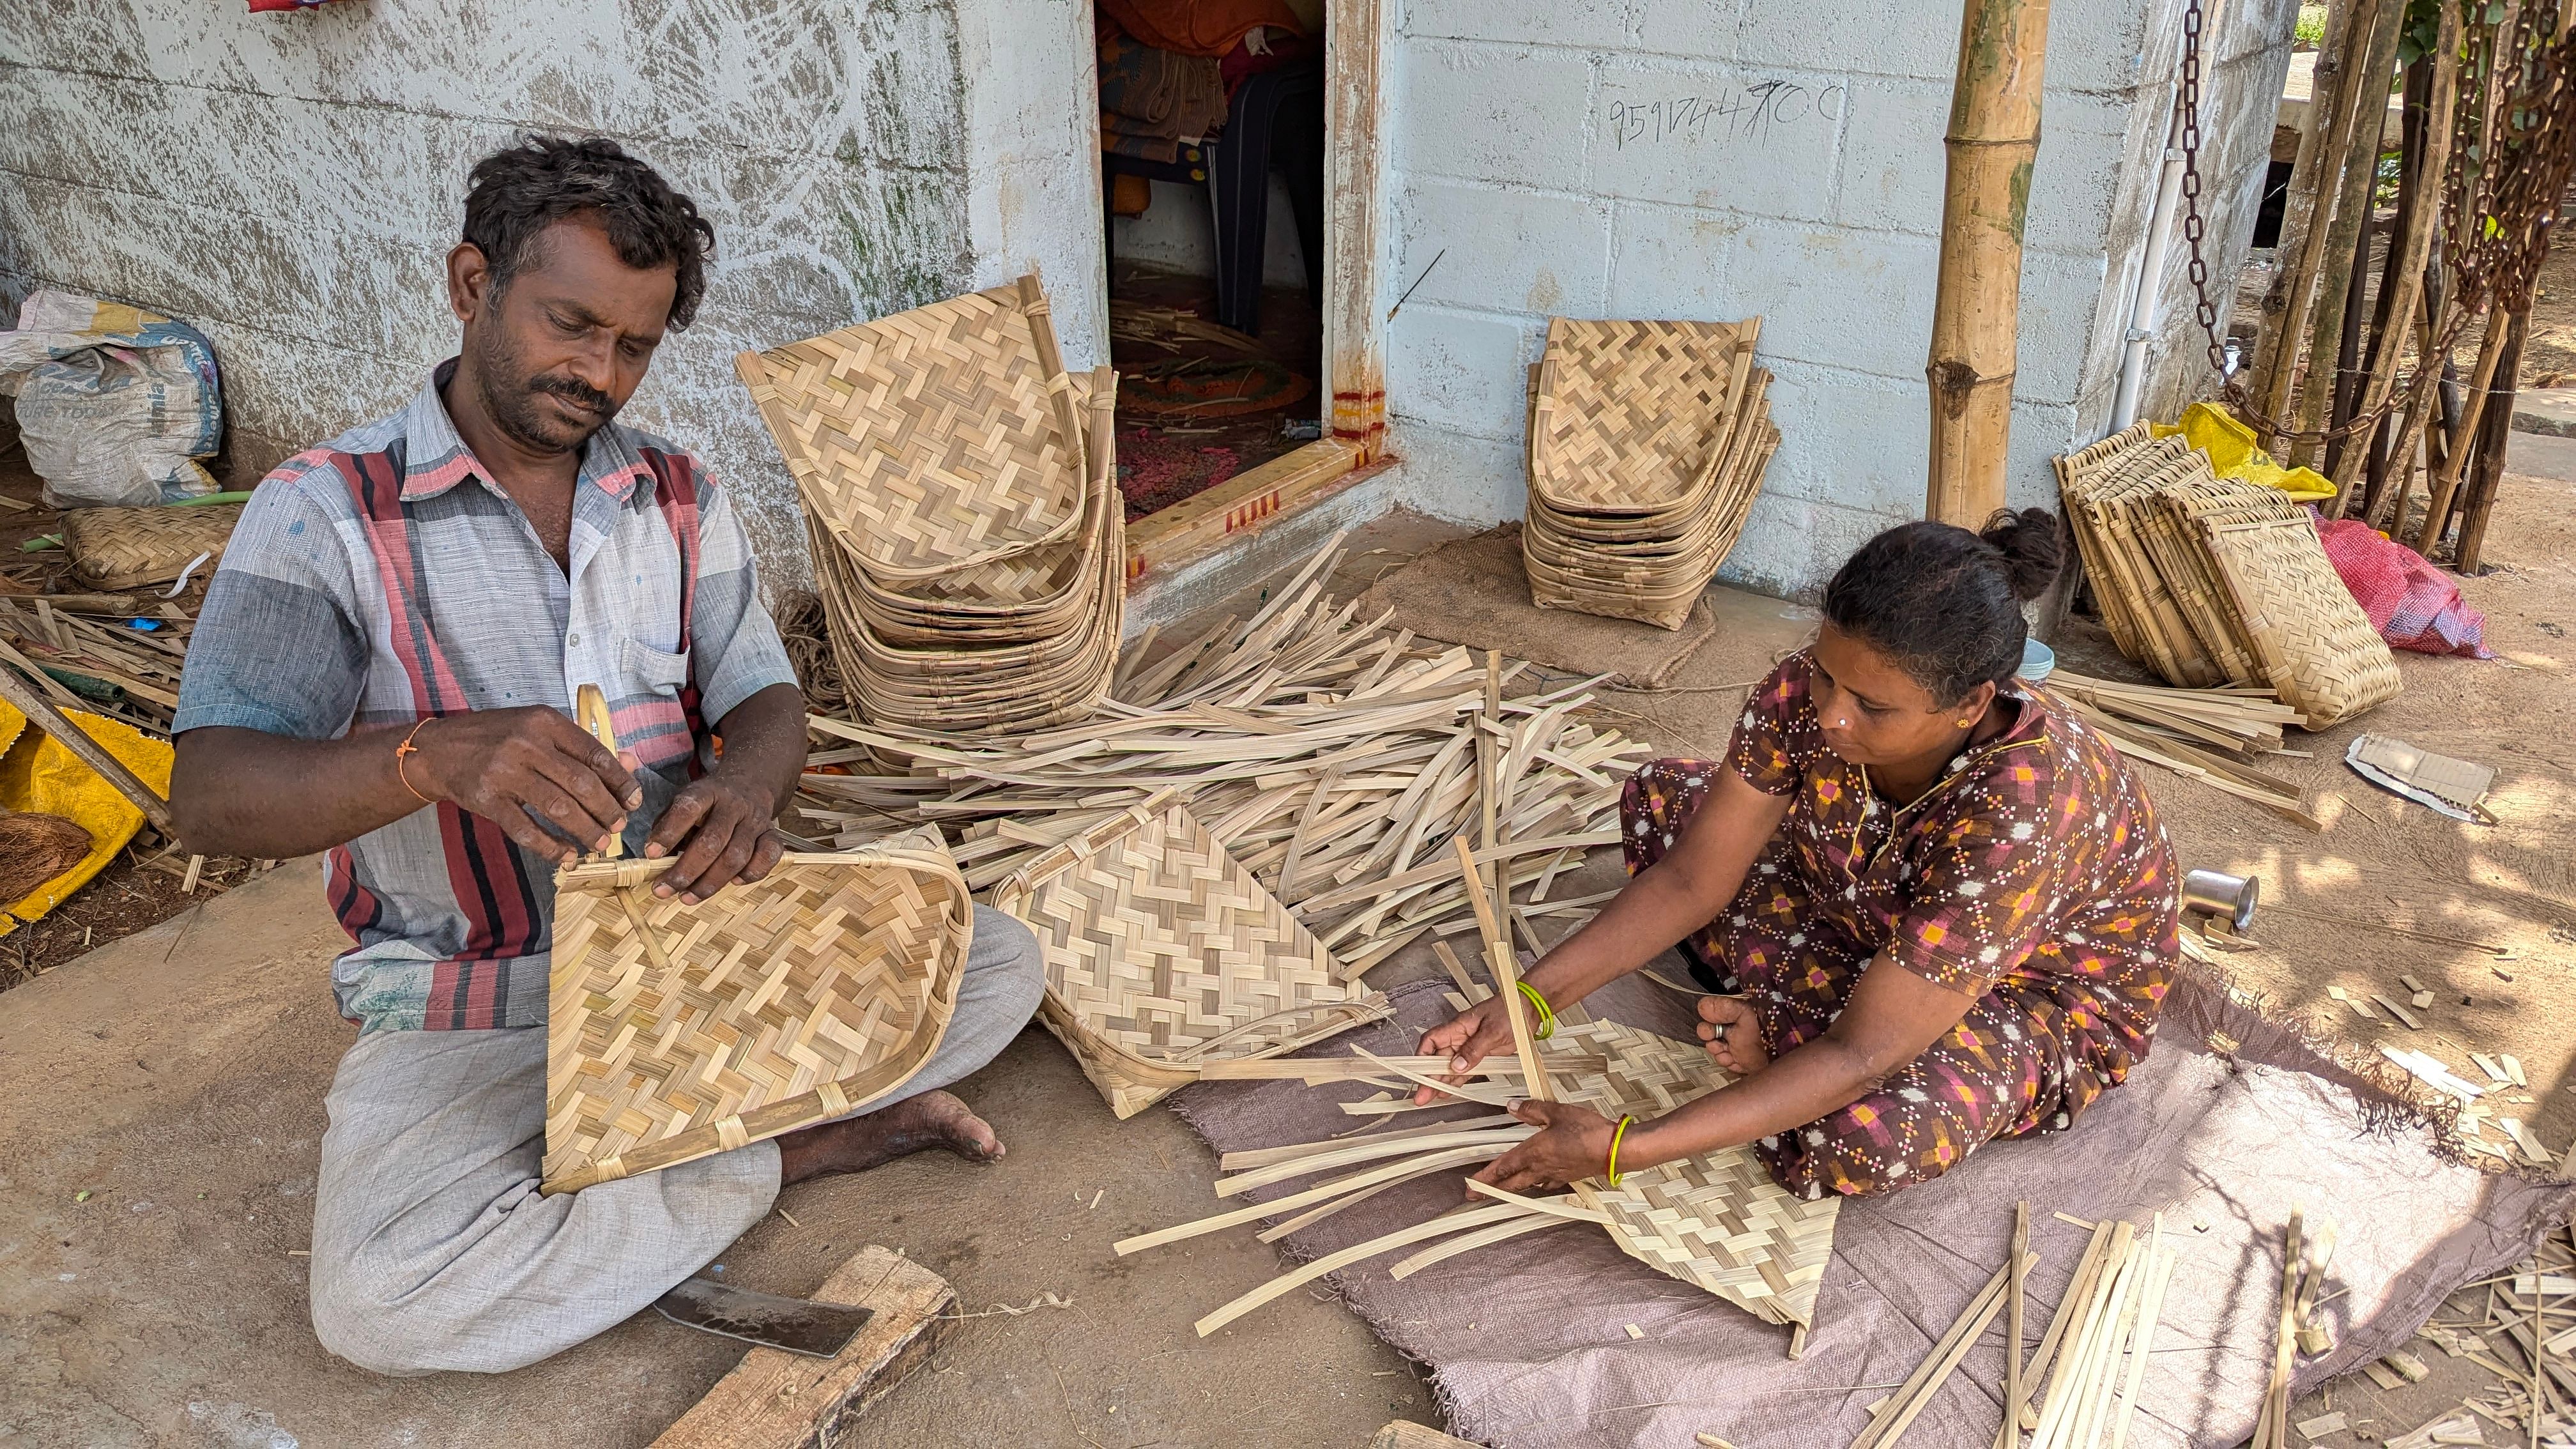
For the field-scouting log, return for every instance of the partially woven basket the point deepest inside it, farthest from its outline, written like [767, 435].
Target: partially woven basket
[1163, 953]
[677, 1031]
[126, 548]
[1718, 1220]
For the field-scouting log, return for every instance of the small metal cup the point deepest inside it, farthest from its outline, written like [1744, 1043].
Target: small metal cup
[2214, 893]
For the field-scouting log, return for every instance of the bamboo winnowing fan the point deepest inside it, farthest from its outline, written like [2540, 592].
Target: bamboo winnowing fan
[1718, 1220]
[675, 1031]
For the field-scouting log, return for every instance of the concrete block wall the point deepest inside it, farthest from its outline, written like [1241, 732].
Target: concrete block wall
[291, 183]
[1716, 159]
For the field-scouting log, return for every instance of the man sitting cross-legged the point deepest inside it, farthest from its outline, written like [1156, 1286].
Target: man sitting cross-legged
[384, 669]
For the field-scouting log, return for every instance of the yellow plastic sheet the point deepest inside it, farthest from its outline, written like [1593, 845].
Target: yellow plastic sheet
[2233, 453]
[37, 774]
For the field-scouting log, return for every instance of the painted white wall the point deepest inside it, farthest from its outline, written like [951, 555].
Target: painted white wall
[1032, 159]
[1717, 159]
[290, 183]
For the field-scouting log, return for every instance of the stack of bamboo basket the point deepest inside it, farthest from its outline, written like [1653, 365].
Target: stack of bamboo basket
[2211, 581]
[968, 536]
[1647, 445]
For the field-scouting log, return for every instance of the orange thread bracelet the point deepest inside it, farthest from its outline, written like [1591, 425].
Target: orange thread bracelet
[402, 752]
[1613, 1172]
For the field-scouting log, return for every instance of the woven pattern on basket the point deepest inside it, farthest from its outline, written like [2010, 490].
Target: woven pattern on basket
[1717, 1220]
[125, 548]
[2310, 638]
[2213, 581]
[1630, 415]
[676, 1031]
[1163, 952]
[1648, 442]
[928, 439]
[971, 623]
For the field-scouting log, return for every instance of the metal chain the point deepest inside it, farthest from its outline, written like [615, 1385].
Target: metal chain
[2194, 227]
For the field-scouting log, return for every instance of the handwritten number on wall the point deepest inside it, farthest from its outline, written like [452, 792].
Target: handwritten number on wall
[1747, 114]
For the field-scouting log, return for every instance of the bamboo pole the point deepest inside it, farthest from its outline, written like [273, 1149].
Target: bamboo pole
[2364, 123]
[2284, 308]
[1992, 142]
[2420, 208]
[2497, 433]
[2437, 501]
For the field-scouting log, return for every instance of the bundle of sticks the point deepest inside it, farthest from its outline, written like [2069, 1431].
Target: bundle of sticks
[80, 651]
[1334, 758]
[2184, 729]
[2093, 1358]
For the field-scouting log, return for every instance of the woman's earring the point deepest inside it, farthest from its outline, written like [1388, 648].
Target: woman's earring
[1963, 724]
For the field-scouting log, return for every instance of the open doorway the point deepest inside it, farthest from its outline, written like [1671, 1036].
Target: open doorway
[1213, 175]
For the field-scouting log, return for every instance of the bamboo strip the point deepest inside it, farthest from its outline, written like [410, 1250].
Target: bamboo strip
[1498, 959]
[1481, 1238]
[2149, 1317]
[1359, 1152]
[2079, 1288]
[1937, 1366]
[1482, 1152]
[1458, 1221]
[1290, 1152]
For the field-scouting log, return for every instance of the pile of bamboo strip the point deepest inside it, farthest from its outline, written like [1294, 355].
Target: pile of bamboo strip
[84, 661]
[2184, 730]
[1333, 758]
[2094, 1355]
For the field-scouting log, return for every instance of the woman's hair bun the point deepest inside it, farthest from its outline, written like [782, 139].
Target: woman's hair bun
[2028, 540]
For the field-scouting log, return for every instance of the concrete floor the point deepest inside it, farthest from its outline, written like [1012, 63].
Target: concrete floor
[175, 1078]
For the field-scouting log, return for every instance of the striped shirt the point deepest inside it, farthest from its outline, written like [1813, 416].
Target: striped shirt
[381, 579]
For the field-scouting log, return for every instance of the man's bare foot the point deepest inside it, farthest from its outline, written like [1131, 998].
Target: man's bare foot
[1732, 1034]
[933, 1119]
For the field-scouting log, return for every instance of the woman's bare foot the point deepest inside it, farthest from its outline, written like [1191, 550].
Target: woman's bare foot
[1732, 1034]
[933, 1119]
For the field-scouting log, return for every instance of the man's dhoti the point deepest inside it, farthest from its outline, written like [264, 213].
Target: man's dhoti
[431, 1247]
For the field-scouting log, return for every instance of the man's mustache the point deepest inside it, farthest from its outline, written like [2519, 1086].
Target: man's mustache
[575, 391]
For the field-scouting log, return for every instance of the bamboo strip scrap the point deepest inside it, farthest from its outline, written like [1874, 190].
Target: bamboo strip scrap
[1454, 1222]
[1935, 1370]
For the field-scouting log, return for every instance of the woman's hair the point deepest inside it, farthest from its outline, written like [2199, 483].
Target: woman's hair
[1945, 603]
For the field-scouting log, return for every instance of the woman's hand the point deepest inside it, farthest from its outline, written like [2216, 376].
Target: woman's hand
[1470, 1037]
[1573, 1142]
[1732, 1034]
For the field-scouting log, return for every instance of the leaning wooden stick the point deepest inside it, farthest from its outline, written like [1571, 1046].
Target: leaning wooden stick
[41, 713]
[592, 707]
[1507, 976]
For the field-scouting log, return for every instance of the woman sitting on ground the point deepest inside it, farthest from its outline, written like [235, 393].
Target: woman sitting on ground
[1938, 909]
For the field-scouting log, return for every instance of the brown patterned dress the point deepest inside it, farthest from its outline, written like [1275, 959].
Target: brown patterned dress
[2033, 877]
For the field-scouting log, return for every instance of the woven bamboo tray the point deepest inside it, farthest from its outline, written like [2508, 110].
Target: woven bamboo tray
[678, 1031]
[1164, 954]
[933, 438]
[126, 548]
[2311, 640]
[1632, 417]
[1742, 433]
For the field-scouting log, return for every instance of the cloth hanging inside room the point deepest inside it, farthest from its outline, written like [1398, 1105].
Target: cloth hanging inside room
[1209, 28]
[1152, 100]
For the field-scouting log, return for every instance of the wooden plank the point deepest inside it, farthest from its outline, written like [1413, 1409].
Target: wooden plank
[774, 1399]
[1356, 300]
[1237, 504]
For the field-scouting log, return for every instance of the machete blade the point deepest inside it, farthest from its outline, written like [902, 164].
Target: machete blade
[798, 1325]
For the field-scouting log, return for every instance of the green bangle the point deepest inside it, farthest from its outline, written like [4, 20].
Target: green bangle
[1622, 1131]
[1546, 1017]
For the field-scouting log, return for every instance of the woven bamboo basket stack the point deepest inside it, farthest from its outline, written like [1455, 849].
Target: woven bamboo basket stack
[2211, 581]
[962, 503]
[1164, 954]
[675, 1031]
[1647, 446]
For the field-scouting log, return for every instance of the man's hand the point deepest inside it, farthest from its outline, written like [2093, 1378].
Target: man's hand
[1573, 1142]
[720, 828]
[503, 764]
